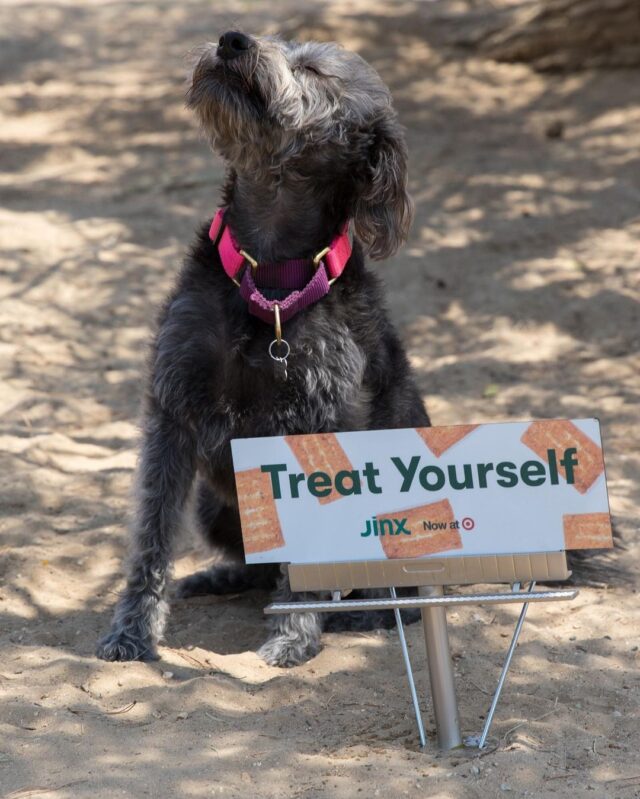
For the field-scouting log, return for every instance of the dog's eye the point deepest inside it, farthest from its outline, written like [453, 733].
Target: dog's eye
[306, 68]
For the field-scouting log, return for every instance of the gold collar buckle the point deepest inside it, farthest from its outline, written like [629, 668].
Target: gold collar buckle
[252, 263]
[317, 258]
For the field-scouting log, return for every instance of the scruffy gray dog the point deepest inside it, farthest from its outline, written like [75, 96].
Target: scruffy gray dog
[312, 142]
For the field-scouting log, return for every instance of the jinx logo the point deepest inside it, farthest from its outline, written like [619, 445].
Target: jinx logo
[385, 527]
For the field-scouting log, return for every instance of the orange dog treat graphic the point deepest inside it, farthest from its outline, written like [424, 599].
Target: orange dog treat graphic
[561, 435]
[421, 542]
[439, 439]
[320, 453]
[587, 531]
[261, 529]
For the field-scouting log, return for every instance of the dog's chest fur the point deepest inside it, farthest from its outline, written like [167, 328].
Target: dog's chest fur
[323, 389]
[323, 392]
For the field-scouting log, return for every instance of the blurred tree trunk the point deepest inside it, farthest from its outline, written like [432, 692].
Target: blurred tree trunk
[562, 35]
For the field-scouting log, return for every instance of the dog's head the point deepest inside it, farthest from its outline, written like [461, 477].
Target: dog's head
[315, 112]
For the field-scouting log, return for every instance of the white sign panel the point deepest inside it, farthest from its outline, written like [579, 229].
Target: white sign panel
[509, 488]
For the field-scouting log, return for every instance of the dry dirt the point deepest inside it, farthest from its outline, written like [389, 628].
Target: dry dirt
[517, 296]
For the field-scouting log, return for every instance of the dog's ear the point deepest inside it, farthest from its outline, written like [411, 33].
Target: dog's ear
[383, 209]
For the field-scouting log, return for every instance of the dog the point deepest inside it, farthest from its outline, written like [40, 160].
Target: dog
[313, 148]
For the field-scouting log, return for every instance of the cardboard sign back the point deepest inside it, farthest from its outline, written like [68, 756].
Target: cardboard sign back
[345, 576]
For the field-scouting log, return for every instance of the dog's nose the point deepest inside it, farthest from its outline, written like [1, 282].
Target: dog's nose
[233, 44]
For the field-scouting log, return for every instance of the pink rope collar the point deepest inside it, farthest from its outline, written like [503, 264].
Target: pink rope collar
[307, 280]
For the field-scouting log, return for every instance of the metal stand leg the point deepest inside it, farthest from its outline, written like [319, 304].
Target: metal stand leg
[407, 663]
[505, 668]
[443, 692]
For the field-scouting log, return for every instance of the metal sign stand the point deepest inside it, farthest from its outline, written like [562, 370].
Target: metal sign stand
[433, 602]
[441, 677]
[481, 740]
[407, 665]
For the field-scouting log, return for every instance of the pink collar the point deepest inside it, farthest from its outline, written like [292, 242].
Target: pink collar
[334, 257]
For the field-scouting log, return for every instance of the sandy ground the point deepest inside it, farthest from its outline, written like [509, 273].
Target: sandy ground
[517, 295]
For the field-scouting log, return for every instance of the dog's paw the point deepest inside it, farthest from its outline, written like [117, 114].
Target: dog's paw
[118, 645]
[287, 652]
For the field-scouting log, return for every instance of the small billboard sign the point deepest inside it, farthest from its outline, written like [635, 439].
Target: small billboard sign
[486, 489]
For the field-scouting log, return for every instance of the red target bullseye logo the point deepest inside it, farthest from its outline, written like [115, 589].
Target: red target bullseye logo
[468, 523]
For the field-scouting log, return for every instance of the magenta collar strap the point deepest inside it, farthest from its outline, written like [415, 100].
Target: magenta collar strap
[307, 280]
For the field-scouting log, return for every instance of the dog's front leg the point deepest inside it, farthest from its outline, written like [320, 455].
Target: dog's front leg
[295, 637]
[165, 475]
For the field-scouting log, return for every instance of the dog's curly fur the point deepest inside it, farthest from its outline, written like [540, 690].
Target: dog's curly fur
[311, 139]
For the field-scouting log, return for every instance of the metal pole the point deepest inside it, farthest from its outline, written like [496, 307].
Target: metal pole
[505, 669]
[443, 691]
[407, 664]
